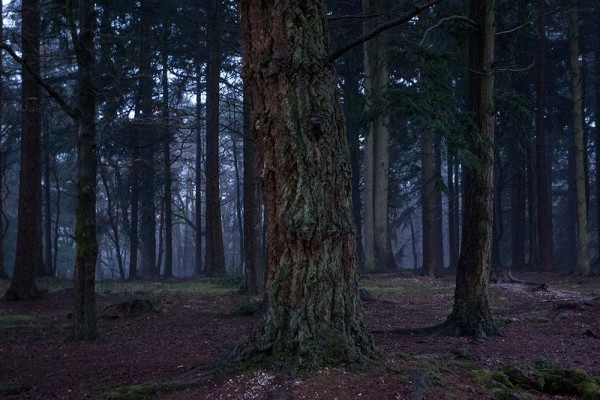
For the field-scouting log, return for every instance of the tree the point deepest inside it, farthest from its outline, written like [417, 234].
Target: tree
[215, 259]
[376, 159]
[168, 201]
[544, 204]
[314, 316]
[29, 230]
[471, 313]
[3, 274]
[583, 262]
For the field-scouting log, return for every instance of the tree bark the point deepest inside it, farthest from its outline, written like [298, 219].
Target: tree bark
[471, 313]
[84, 316]
[428, 204]
[168, 197]
[518, 209]
[29, 230]
[314, 317]
[453, 245]
[544, 203]
[254, 268]
[3, 274]
[215, 258]
[583, 262]
[199, 267]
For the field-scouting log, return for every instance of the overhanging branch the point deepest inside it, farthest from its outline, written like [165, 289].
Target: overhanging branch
[379, 29]
[49, 89]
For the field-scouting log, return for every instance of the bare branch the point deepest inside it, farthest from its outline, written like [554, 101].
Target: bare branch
[381, 28]
[49, 89]
[441, 21]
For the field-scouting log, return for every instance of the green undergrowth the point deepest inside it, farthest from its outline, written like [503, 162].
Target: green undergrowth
[11, 321]
[213, 286]
[518, 382]
[408, 288]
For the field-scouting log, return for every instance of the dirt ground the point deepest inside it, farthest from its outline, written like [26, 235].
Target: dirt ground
[198, 322]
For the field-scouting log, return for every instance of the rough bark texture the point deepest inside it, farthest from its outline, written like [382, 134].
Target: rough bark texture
[314, 316]
[471, 314]
[29, 237]
[583, 262]
[215, 259]
[544, 204]
[84, 317]
[254, 268]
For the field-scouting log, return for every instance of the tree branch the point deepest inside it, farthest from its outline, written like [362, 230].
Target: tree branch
[379, 29]
[49, 89]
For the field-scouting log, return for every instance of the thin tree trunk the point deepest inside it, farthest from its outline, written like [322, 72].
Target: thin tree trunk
[199, 267]
[113, 224]
[438, 235]
[3, 274]
[583, 263]
[518, 211]
[168, 197]
[532, 208]
[29, 237]
[544, 203]
[215, 258]
[50, 267]
[84, 316]
[452, 220]
[56, 218]
[471, 313]
[428, 204]
[238, 198]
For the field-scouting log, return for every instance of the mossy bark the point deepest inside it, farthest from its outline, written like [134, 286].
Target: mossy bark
[471, 314]
[314, 316]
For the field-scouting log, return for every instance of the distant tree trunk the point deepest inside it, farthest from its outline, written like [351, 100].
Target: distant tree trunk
[314, 317]
[254, 268]
[3, 274]
[518, 210]
[377, 147]
[597, 139]
[199, 267]
[583, 263]
[135, 190]
[238, 197]
[29, 230]
[438, 235]
[532, 207]
[215, 258]
[146, 123]
[168, 197]
[428, 204]
[471, 313]
[84, 317]
[498, 223]
[50, 267]
[544, 204]
[453, 248]
[114, 227]
[56, 218]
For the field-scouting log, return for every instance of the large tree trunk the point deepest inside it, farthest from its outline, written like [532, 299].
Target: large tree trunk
[583, 263]
[166, 125]
[544, 204]
[254, 267]
[314, 317]
[29, 233]
[84, 317]
[471, 313]
[215, 259]
[376, 158]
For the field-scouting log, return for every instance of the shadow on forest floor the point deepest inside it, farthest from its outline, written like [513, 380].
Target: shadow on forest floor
[198, 322]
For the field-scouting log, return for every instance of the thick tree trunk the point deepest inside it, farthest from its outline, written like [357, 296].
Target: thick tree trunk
[3, 274]
[29, 230]
[215, 259]
[168, 200]
[471, 313]
[314, 316]
[84, 317]
[254, 268]
[583, 262]
[544, 203]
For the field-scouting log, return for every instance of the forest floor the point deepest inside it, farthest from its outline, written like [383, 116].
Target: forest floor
[198, 322]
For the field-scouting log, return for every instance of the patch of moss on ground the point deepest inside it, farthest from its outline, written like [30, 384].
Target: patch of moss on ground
[10, 321]
[516, 381]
